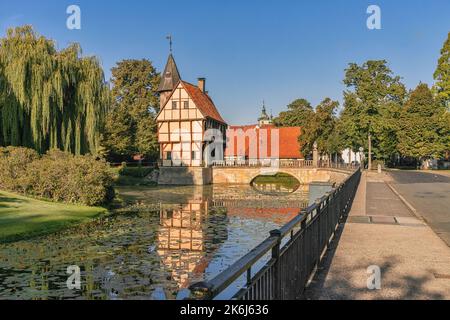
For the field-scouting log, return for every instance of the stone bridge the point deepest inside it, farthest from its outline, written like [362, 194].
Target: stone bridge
[245, 175]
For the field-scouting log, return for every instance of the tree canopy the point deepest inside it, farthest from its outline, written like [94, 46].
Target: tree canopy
[423, 132]
[320, 127]
[48, 98]
[371, 106]
[442, 73]
[298, 113]
[130, 124]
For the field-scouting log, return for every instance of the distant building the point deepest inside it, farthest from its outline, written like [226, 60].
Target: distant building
[349, 156]
[186, 112]
[259, 143]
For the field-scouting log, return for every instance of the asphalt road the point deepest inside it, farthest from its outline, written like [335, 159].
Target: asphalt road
[429, 194]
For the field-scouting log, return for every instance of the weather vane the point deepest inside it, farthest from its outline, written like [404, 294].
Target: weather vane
[169, 37]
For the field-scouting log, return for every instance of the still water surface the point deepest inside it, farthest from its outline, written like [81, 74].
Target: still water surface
[161, 241]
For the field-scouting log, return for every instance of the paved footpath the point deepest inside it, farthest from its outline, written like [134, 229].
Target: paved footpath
[382, 230]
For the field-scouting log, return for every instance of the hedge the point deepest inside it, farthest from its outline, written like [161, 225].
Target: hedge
[56, 176]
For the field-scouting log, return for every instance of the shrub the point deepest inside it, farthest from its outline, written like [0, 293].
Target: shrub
[73, 179]
[59, 176]
[13, 164]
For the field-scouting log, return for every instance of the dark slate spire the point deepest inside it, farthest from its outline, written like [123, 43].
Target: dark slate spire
[170, 77]
[264, 115]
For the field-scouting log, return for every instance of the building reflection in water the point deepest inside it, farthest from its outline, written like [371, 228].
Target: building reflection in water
[191, 233]
[185, 230]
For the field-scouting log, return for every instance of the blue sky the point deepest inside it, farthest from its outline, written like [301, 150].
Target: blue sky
[250, 50]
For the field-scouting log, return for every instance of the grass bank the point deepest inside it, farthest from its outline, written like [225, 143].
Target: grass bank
[23, 218]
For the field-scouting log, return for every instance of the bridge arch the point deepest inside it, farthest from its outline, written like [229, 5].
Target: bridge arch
[278, 183]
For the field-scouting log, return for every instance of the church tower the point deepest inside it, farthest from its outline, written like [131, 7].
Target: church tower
[264, 119]
[169, 80]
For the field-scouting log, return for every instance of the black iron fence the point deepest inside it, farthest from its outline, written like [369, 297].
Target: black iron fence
[295, 252]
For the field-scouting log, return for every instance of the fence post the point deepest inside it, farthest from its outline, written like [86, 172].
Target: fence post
[326, 228]
[276, 257]
[319, 222]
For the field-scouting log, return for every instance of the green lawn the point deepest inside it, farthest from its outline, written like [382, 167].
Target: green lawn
[22, 217]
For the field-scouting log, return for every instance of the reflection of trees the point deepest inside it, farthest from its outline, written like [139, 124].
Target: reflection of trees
[274, 188]
[185, 236]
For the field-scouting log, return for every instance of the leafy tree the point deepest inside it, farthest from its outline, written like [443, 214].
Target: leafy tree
[423, 131]
[146, 136]
[321, 128]
[350, 130]
[442, 74]
[371, 106]
[118, 138]
[130, 125]
[49, 99]
[298, 114]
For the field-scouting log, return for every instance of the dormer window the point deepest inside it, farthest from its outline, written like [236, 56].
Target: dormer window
[174, 105]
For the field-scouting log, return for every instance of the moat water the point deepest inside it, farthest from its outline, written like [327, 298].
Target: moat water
[159, 242]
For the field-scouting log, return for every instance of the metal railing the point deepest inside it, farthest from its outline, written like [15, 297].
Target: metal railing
[281, 163]
[295, 252]
[263, 163]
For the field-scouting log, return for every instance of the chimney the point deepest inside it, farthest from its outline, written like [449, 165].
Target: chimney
[201, 84]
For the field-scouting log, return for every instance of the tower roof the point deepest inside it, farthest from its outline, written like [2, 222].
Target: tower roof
[264, 115]
[170, 77]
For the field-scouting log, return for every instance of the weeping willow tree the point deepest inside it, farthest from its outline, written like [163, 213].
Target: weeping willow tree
[49, 99]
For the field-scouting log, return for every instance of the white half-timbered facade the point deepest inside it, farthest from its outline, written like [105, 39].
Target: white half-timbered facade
[186, 113]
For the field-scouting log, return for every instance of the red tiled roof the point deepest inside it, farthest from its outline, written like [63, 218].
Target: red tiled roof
[289, 147]
[203, 102]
